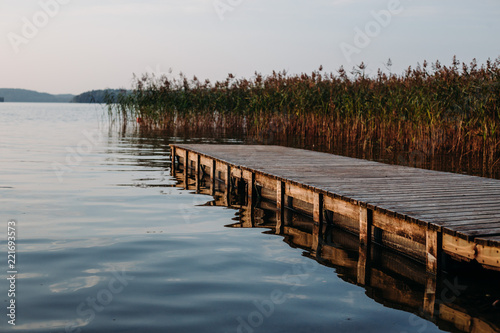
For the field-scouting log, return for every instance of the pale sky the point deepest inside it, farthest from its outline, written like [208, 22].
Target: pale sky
[71, 46]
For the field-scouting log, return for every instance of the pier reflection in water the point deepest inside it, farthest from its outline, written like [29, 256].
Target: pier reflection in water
[458, 300]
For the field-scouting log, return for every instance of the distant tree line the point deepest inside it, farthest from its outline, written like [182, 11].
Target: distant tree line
[31, 96]
[99, 96]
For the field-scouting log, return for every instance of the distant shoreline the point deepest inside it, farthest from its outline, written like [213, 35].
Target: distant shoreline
[11, 95]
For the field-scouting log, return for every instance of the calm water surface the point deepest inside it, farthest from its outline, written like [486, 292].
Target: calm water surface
[107, 243]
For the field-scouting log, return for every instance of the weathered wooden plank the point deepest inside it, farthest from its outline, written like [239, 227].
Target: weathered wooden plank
[180, 151]
[459, 218]
[298, 192]
[471, 201]
[389, 186]
[488, 255]
[193, 157]
[414, 196]
[206, 161]
[459, 247]
[433, 207]
[471, 234]
[236, 172]
[478, 226]
[341, 207]
[265, 181]
[493, 241]
[448, 220]
[394, 225]
[379, 198]
[220, 167]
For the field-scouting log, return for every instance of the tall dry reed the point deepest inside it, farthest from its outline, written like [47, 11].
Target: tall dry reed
[432, 108]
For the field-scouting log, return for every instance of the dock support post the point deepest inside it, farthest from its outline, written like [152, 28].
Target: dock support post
[212, 171]
[172, 157]
[186, 169]
[318, 222]
[365, 240]
[197, 170]
[429, 305]
[228, 185]
[318, 208]
[251, 188]
[249, 178]
[365, 226]
[433, 249]
[280, 203]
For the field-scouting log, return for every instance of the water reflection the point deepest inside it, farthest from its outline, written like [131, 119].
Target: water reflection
[455, 300]
[458, 300]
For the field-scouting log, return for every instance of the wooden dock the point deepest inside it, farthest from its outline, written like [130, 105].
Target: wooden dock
[420, 213]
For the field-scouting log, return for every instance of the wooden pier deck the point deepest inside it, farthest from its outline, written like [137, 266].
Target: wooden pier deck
[420, 213]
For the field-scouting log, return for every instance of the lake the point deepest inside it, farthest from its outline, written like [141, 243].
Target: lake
[108, 241]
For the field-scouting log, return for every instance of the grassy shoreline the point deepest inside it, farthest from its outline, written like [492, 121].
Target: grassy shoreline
[433, 109]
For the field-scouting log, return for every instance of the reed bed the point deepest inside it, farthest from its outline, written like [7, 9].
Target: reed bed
[432, 108]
